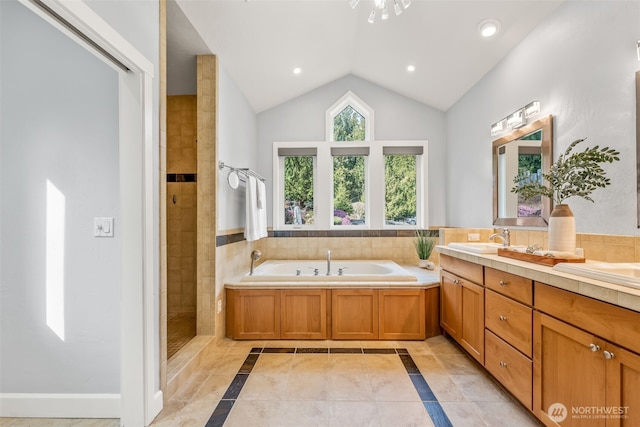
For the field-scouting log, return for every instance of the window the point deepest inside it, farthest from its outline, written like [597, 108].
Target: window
[350, 180]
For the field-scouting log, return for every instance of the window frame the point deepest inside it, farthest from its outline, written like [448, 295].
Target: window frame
[350, 99]
[374, 185]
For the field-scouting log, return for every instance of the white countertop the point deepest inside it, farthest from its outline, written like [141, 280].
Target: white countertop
[619, 295]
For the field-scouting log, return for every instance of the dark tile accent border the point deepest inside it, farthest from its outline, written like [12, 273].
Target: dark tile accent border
[182, 177]
[238, 237]
[429, 400]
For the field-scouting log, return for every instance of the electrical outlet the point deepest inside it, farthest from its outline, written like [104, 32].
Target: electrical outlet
[473, 237]
[219, 309]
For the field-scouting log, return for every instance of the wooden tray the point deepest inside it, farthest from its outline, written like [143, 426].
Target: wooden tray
[537, 259]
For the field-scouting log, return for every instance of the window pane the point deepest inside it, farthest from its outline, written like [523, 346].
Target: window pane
[348, 125]
[348, 190]
[298, 190]
[400, 189]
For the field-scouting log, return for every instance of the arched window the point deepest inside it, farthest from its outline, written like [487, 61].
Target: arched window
[349, 119]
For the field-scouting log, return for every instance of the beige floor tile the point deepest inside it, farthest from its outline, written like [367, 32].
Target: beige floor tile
[416, 347]
[228, 363]
[191, 386]
[391, 387]
[380, 344]
[265, 386]
[308, 386]
[478, 388]
[353, 414]
[464, 414]
[403, 414]
[214, 387]
[443, 345]
[273, 363]
[506, 414]
[384, 363]
[458, 364]
[303, 413]
[169, 413]
[250, 413]
[347, 363]
[443, 387]
[350, 386]
[310, 363]
[429, 364]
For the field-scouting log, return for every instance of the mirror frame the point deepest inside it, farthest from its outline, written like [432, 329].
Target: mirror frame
[546, 124]
[638, 142]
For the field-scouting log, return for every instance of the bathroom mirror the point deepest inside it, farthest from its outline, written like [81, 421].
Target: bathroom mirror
[638, 140]
[527, 148]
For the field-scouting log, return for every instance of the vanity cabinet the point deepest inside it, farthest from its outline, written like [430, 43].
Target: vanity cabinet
[585, 357]
[462, 304]
[508, 333]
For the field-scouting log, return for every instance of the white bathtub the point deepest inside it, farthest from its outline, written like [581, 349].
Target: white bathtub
[353, 271]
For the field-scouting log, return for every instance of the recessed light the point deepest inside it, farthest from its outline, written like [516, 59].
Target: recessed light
[411, 68]
[297, 70]
[489, 27]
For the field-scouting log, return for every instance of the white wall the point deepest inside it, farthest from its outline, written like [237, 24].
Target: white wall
[60, 124]
[237, 133]
[580, 63]
[396, 118]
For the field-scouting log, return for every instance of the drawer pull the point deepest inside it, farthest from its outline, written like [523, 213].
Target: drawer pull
[457, 281]
[503, 364]
[503, 318]
[608, 355]
[503, 283]
[594, 347]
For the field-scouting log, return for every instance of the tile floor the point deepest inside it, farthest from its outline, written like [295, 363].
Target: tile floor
[181, 328]
[335, 388]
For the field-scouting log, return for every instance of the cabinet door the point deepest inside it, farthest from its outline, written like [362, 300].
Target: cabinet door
[472, 328]
[566, 371]
[623, 387]
[354, 314]
[450, 304]
[256, 314]
[304, 314]
[401, 314]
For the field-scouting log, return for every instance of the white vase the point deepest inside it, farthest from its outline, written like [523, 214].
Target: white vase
[562, 229]
[425, 263]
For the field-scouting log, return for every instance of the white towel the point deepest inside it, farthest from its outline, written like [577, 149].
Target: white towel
[251, 228]
[262, 209]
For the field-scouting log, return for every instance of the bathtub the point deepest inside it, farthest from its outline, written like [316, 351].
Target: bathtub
[353, 271]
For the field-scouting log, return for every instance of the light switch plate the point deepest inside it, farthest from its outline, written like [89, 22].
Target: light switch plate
[103, 227]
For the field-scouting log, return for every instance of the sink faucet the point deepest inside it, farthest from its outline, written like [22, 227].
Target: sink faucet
[505, 236]
[328, 262]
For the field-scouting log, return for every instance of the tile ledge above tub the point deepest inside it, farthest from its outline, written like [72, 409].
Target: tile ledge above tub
[621, 296]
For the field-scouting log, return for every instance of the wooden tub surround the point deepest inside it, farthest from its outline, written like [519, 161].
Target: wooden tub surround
[548, 337]
[330, 310]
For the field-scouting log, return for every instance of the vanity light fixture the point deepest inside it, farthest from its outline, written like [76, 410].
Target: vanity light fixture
[517, 119]
[382, 6]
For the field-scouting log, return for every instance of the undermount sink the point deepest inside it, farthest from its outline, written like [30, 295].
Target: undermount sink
[621, 273]
[476, 247]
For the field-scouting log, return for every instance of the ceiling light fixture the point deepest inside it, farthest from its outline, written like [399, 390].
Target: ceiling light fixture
[489, 27]
[382, 6]
[297, 70]
[411, 68]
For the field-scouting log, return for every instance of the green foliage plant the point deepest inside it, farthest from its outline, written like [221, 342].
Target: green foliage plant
[424, 244]
[572, 174]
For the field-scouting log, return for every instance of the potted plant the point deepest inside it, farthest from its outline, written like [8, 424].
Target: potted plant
[572, 174]
[424, 246]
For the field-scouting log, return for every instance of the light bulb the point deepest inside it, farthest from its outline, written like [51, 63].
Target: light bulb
[372, 16]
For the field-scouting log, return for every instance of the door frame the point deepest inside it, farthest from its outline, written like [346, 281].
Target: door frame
[140, 394]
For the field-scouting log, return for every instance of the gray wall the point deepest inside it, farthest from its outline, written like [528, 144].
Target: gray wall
[580, 63]
[59, 123]
[396, 118]
[237, 133]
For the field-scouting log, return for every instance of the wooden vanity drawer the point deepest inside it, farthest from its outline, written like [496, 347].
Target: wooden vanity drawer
[510, 367]
[516, 287]
[510, 320]
[462, 268]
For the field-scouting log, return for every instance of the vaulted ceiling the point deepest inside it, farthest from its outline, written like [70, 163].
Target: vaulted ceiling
[260, 42]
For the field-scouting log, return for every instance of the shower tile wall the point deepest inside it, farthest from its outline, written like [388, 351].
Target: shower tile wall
[181, 202]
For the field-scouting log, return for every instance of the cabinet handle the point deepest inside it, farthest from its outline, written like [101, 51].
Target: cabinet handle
[503, 364]
[503, 283]
[457, 281]
[594, 347]
[608, 355]
[503, 318]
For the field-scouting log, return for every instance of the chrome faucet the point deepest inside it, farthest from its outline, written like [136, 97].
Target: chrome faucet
[328, 262]
[505, 236]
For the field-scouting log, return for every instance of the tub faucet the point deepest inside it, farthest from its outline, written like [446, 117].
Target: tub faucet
[505, 236]
[328, 262]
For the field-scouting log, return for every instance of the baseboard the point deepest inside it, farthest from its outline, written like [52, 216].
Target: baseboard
[156, 405]
[45, 405]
